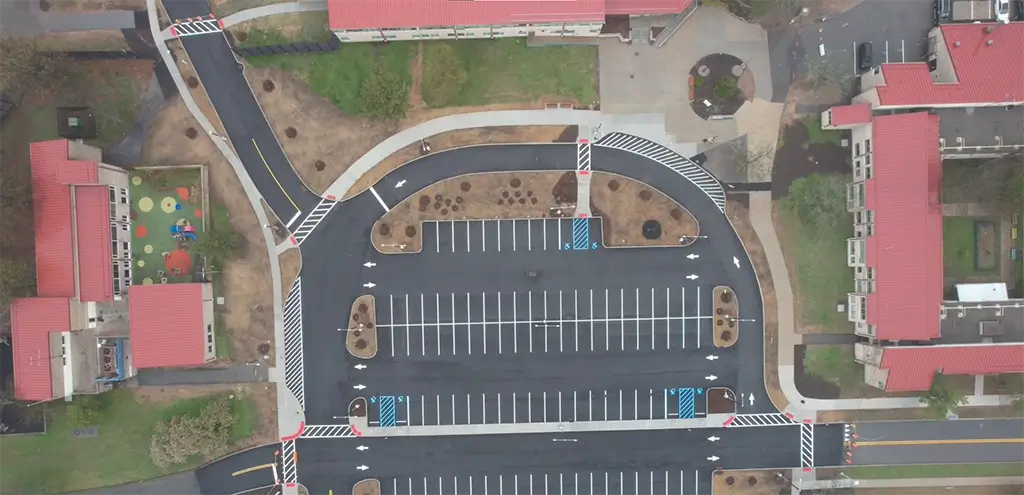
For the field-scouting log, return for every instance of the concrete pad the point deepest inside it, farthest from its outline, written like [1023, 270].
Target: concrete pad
[759, 120]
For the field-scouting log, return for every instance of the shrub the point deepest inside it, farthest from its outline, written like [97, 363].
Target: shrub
[726, 87]
[698, 81]
[443, 75]
[175, 441]
[218, 245]
[384, 95]
[87, 410]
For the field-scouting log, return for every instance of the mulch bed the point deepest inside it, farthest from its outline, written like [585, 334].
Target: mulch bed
[718, 403]
[796, 159]
[720, 65]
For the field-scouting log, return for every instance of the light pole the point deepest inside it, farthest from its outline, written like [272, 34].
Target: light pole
[804, 11]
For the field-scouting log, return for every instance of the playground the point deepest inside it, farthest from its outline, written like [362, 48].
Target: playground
[168, 212]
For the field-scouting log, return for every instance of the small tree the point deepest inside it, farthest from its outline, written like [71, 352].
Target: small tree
[25, 67]
[827, 71]
[443, 75]
[217, 245]
[385, 95]
[175, 441]
[16, 280]
[817, 200]
[756, 159]
[941, 399]
[726, 87]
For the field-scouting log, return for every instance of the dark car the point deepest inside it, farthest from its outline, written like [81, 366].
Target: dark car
[864, 56]
[943, 11]
[1019, 5]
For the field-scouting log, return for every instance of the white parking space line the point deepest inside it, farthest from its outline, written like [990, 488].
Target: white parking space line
[545, 321]
[484, 306]
[469, 332]
[529, 235]
[591, 309]
[437, 308]
[668, 318]
[653, 322]
[684, 317]
[468, 248]
[514, 235]
[637, 319]
[437, 237]
[576, 312]
[622, 320]
[454, 345]
[483, 235]
[515, 325]
[606, 331]
[453, 237]
[499, 322]
[530, 310]
[391, 308]
[379, 199]
[499, 235]
[423, 328]
[561, 314]
[698, 316]
[545, 230]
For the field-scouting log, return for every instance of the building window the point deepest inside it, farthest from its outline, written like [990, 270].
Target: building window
[113, 249]
[126, 245]
[856, 149]
[868, 172]
[863, 308]
[871, 272]
[209, 339]
[867, 145]
[124, 196]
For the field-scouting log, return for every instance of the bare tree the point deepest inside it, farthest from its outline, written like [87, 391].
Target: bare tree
[827, 71]
[756, 159]
[24, 67]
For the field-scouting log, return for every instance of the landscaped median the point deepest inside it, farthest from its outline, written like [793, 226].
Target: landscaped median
[727, 312]
[370, 486]
[361, 340]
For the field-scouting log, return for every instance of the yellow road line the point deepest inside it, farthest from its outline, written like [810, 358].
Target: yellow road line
[958, 441]
[272, 174]
[254, 468]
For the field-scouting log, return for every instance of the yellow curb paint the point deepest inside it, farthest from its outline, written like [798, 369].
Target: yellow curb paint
[251, 469]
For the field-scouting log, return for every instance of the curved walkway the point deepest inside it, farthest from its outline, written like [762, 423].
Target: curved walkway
[274, 9]
[761, 219]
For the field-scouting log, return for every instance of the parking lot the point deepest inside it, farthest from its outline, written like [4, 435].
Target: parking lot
[689, 482]
[897, 31]
[602, 320]
[549, 406]
[542, 234]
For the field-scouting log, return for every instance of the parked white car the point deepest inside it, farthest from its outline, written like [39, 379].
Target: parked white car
[1003, 11]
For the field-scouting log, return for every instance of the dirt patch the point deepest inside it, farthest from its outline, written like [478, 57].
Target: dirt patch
[367, 487]
[475, 196]
[277, 229]
[727, 310]
[796, 158]
[721, 401]
[987, 249]
[455, 139]
[361, 339]
[633, 212]
[248, 315]
[357, 408]
[106, 40]
[737, 208]
[262, 395]
[291, 265]
[93, 5]
[749, 483]
[198, 91]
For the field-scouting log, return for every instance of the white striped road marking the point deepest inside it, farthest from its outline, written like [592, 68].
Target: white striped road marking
[379, 199]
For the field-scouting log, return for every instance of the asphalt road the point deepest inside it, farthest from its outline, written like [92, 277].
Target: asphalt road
[655, 359]
[650, 461]
[940, 442]
[218, 478]
[246, 127]
[897, 30]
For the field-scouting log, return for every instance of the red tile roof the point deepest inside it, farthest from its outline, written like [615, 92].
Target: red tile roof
[75, 172]
[906, 248]
[166, 325]
[851, 114]
[639, 7]
[32, 320]
[912, 368]
[55, 265]
[386, 14]
[92, 221]
[984, 73]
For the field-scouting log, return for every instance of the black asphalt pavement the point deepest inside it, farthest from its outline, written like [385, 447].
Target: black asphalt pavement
[897, 30]
[247, 129]
[649, 461]
[219, 478]
[637, 353]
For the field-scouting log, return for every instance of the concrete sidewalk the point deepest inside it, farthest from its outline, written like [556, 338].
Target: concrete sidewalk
[275, 9]
[761, 220]
[946, 483]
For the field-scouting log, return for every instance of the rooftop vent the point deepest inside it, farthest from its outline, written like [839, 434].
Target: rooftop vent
[989, 42]
[956, 44]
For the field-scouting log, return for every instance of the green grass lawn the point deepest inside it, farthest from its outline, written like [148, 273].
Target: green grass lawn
[56, 462]
[312, 28]
[506, 70]
[823, 279]
[154, 194]
[817, 135]
[935, 471]
[835, 364]
[959, 245]
[339, 75]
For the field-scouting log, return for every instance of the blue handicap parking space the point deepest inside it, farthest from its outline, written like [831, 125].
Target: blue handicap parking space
[580, 239]
[387, 411]
[686, 403]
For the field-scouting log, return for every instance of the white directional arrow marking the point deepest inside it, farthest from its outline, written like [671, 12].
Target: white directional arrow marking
[711, 357]
[363, 467]
[400, 184]
[360, 366]
[693, 256]
[359, 387]
[736, 261]
[369, 285]
[713, 439]
[751, 399]
[691, 277]
[713, 458]
[369, 264]
[362, 448]
[711, 378]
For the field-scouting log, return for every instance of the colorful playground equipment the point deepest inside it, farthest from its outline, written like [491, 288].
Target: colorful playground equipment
[187, 232]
